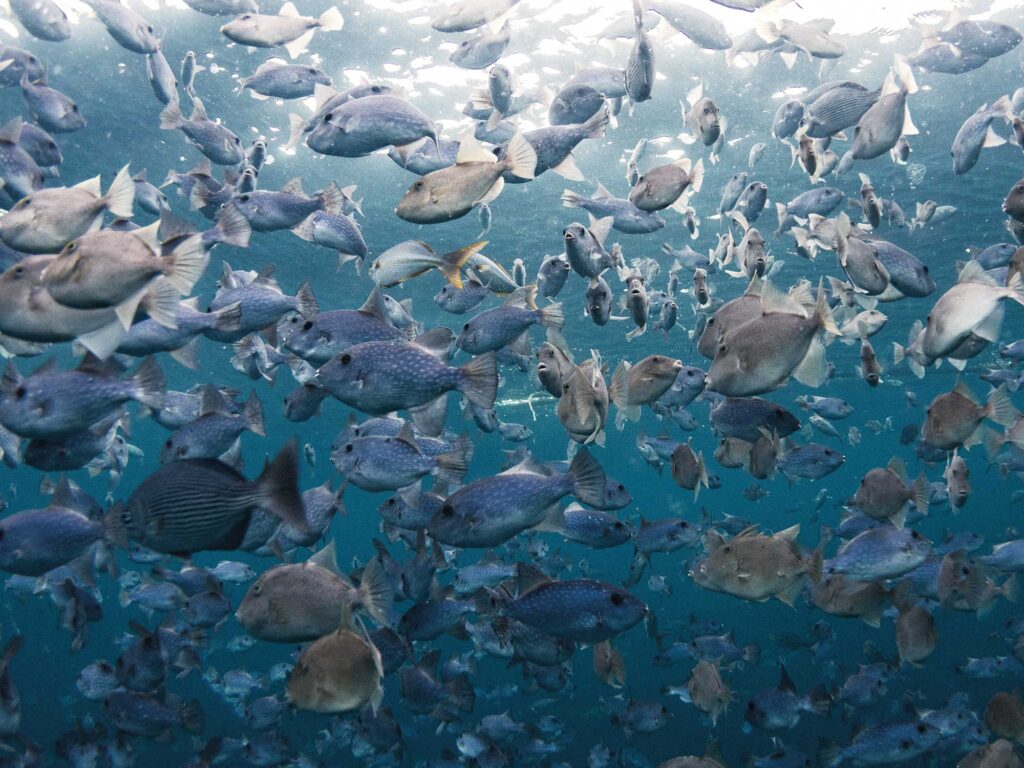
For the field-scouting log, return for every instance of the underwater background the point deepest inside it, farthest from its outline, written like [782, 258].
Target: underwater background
[393, 43]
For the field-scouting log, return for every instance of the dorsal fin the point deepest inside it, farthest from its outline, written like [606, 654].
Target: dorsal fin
[405, 435]
[198, 110]
[62, 494]
[288, 9]
[210, 401]
[600, 228]
[429, 660]
[785, 681]
[898, 468]
[963, 390]
[788, 534]
[436, 341]
[973, 272]
[10, 133]
[327, 558]
[472, 151]
[294, 187]
[91, 186]
[528, 578]
[529, 465]
[600, 192]
[372, 305]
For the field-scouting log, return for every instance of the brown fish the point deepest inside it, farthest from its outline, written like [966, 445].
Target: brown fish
[339, 672]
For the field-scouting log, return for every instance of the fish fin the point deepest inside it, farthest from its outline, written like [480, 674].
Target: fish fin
[992, 139]
[121, 195]
[568, 169]
[331, 20]
[492, 193]
[478, 380]
[1000, 408]
[92, 186]
[278, 488]
[790, 593]
[375, 592]
[472, 151]
[298, 45]
[186, 264]
[453, 262]
[521, 157]
[813, 368]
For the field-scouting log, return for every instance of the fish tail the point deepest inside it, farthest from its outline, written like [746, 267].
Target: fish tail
[331, 20]
[232, 228]
[121, 195]
[150, 385]
[192, 717]
[186, 264]
[376, 596]
[451, 264]
[171, 117]
[278, 488]
[597, 124]
[453, 466]
[305, 302]
[478, 380]
[521, 157]
[254, 415]
[1000, 408]
[571, 199]
[552, 316]
[588, 478]
[332, 199]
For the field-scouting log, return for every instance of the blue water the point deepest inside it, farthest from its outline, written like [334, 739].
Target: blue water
[110, 85]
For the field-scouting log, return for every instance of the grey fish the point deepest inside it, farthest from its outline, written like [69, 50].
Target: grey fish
[129, 29]
[43, 19]
[53, 110]
[702, 28]
[626, 217]
[378, 377]
[838, 108]
[277, 79]
[490, 511]
[364, 125]
[640, 66]
[482, 51]
[214, 140]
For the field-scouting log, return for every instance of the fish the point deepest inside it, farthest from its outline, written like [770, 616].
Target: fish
[475, 179]
[338, 672]
[287, 28]
[216, 513]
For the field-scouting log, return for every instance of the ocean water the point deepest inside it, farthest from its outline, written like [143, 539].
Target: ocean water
[394, 44]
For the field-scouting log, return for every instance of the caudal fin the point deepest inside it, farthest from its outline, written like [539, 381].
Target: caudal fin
[121, 195]
[186, 264]
[150, 385]
[375, 593]
[478, 380]
[588, 478]
[278, 488]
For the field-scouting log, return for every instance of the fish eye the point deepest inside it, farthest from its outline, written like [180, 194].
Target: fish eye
[237, 140]
[920, 728]
[244, 198]
[24, 202]
[915, 535]
[19, 393]
[727, 548]
[390, 502]
[447, 510]
[348, 448]
[70, 246]
[346, 359]
[565, 387]
[622, 487]
[167, 443]
[328, 116]
[311, 70]
[376, 89]
[307, 325]
[616, 598]
[465, 327]
[74, 107]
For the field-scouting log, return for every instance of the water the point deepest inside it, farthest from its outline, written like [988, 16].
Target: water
[392, 42]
